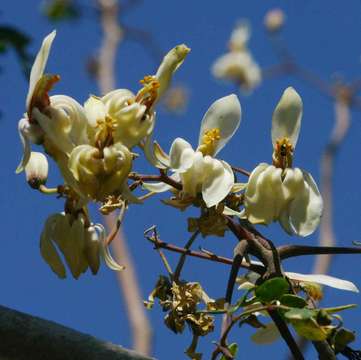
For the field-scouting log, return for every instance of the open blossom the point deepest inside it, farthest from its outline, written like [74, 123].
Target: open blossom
[238, 65]
[198, 171]
[279, 192]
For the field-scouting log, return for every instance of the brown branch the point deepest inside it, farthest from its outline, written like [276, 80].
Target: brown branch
[141, 329]
[25, 336]
[289, 251]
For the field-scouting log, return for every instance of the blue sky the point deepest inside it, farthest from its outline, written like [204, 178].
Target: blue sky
[323, 38]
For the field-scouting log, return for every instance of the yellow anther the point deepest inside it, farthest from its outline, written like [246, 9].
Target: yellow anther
[283, 154]
[209, 141]
[149, 93]
[104, 133]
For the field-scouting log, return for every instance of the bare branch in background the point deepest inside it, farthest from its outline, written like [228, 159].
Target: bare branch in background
[141, 329]
[25, 336]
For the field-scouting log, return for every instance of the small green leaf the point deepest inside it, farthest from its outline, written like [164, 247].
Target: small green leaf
[293, 301]
[272, 289]
[233, 349]
[300, 314]
[267, 335]
[310, 330]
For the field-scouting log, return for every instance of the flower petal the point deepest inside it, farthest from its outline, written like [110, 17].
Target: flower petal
[218, 182]
[225, 115]
[306, 209]
[39, 65]
[23, 123]
[181, 155]
[48, 249]
[95, 110]
[323, 279]
[286, 119]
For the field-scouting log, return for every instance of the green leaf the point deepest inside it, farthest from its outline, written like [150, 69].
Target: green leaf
[300, 314]
[233, 349]
[342, 338]
[272, 289]
[293, 301]
[310, 330]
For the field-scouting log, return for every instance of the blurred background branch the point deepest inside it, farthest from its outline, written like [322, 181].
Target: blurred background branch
[127, 279]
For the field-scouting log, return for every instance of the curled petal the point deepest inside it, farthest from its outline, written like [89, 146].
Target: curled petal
[23, 123]
[95, 110]
[323, 279]
[225, 115]
[181, 155]
[306, 209]
[264, 196]
[39, 65]
[67, 107]
[218, 182]
[104, 251]
[55, 128]
[155, 154]
[286, 119]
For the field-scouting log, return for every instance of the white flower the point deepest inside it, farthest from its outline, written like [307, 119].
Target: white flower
[238, 65]
[81, 245]
[36, 170]
[197, 170]
[278, 192]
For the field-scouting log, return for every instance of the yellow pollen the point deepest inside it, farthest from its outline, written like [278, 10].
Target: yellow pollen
[209, 141]
[283, 153]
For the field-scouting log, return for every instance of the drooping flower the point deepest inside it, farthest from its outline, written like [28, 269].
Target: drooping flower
[198, 171]
[279, 192]
[238, 65]
[81, 244]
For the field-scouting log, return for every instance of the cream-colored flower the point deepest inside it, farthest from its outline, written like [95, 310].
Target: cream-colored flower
[124, 117]
[279, 192]
[57, 122]
[101, 173]
[82, 245]
[238, 65]
[198, 171]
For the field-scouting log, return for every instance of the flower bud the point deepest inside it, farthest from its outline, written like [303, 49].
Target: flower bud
[274, 20]
[36, 170]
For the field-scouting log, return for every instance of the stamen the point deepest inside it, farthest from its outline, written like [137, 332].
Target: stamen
[283, 154]
[209, 141]
[104, 133]
[149, 93]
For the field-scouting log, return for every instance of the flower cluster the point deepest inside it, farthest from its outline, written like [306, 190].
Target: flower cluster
[92, 146]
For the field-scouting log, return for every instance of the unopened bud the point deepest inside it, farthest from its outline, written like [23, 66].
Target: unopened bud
[274, 20]
[36, 170]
